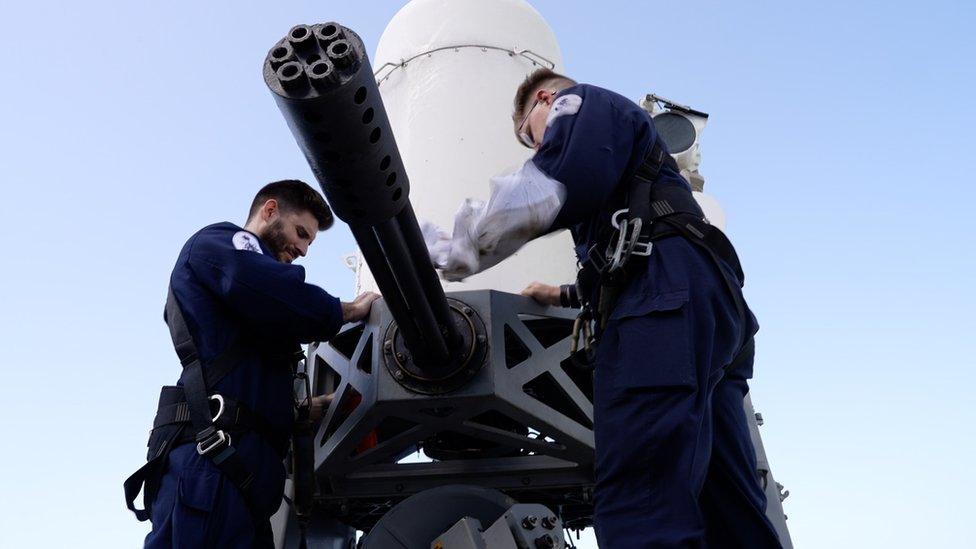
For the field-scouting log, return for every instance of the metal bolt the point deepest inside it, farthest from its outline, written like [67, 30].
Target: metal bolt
[399, 357]
[549, 522]
[388, 345]
[529, 522]
[545, 541]
[397, 374]
[759, 418]
[466, 310]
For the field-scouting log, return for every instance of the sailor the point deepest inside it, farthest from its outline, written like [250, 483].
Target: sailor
[675, 466]
[238, 308]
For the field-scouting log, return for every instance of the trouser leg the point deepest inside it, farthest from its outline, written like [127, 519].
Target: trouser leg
[733, 501]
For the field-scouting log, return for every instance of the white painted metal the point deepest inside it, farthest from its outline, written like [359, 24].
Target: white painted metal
[451, 113]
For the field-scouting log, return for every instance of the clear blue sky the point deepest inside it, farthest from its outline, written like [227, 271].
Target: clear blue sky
[840, 145]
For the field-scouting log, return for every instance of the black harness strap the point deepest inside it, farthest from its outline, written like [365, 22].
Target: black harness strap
[663, 211]
[211, 442]
[185, 415]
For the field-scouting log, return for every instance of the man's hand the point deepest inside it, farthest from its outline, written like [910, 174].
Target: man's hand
[543, 293]
[359, 308]
[318, 406]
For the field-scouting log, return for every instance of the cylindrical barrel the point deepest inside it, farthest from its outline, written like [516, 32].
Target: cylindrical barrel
[324, 86]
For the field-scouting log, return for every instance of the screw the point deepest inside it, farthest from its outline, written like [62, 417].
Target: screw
[466, 310]
[529, 522]
[397, 374]
[759, 419]
[545, 541]
[388, 345]
[549, 522]
[482, 338]
[399, 357]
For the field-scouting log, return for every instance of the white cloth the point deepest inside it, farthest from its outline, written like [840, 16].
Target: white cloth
[521, 206]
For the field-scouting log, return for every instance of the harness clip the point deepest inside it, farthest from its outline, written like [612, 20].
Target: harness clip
[626, 242]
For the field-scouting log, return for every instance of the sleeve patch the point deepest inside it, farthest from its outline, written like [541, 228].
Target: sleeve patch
[244, 240]
[566, 105]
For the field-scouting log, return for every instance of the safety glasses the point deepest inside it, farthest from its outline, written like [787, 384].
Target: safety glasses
[524, 136]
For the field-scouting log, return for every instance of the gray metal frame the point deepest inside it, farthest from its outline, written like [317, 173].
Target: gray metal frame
[558, 457]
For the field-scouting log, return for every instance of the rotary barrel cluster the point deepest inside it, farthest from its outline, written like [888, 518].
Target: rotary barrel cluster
[323, 83]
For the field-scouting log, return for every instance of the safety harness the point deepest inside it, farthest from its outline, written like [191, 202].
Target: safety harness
[650, 212]
[192, 413]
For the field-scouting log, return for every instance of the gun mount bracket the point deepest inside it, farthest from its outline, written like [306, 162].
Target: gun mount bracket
[468, 357]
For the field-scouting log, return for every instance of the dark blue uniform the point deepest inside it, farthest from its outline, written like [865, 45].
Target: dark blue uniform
[674, 462]
[231, 289]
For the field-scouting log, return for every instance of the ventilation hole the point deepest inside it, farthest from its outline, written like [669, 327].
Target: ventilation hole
[549, 331]
[547, 390]
[280, 53]
[365, 362]
[289, 71]
[322, 137]
[345, 343]
[391, 179]
[313, 117]
[340, 48]
[582, 377]
[515, 351]
[359, 213]
[348, 402]
[360, 95]
[320, 69]
[329, 30]
[385, 163]
[396, 194]
[299, 33]
[368, 116]
[374, 135]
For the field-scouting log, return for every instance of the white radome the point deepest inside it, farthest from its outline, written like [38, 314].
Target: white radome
[451, 110]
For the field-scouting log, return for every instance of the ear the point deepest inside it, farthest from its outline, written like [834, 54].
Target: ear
[270, 209]
[545, 96]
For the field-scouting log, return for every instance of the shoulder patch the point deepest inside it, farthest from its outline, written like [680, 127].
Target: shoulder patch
[244, 240]
[566, 105]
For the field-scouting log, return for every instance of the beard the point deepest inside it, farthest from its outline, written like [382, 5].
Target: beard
[274, 238]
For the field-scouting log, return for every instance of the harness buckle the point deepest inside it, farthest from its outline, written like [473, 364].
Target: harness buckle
[211, 440]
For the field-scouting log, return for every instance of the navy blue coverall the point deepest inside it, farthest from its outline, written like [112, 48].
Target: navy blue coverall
[232, 289]
[675, 466]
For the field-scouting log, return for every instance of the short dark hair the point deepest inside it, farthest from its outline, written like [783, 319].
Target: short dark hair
[294, 195]
[540, 78]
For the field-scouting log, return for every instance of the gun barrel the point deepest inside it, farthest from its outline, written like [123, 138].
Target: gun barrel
[323, 84]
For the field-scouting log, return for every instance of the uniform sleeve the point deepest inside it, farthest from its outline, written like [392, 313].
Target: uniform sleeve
[587, 147]
[270, 296]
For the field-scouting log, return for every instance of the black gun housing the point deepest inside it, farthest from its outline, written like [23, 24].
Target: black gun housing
[324, 86]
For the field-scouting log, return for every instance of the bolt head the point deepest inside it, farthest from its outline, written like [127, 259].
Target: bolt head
[398, 374]
[549, 522]
[529, 522]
